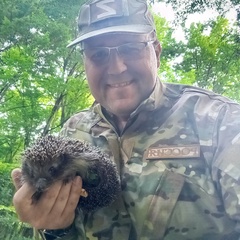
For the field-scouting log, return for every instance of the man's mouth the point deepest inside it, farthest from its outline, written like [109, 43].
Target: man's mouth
[119, 85]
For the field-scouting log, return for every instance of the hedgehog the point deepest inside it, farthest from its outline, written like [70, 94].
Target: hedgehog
[52, 158]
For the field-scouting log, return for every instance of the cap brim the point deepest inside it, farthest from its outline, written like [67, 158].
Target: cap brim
[126, 28]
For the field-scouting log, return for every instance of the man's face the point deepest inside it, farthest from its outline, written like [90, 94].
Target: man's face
[121, 83]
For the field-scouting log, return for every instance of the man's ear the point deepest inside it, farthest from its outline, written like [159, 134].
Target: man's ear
[158, 50]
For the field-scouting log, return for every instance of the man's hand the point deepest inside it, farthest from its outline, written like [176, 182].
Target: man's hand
[56, 207]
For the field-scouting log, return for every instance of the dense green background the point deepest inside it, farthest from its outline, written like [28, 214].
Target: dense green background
[42, 82]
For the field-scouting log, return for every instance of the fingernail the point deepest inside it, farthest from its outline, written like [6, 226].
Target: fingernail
[84, 193]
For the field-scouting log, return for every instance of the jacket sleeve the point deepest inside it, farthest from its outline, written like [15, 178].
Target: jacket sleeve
[226, 160]
[59, 234]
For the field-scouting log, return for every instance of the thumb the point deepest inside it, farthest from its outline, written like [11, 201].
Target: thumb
[16, 175]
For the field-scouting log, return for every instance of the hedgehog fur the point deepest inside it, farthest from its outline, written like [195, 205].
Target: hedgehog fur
[52, 158]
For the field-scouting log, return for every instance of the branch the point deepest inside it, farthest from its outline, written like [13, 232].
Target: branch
[53, 112]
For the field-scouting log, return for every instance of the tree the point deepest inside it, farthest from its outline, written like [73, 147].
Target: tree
[183, 8]
[212, 52]
[171, 49]
[41, 81]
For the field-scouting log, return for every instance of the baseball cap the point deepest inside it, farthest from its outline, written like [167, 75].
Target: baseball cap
[105, 16]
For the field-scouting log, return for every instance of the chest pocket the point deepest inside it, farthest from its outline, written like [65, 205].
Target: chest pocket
[162, 204]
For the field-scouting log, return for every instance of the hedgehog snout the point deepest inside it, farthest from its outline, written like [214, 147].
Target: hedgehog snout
[41, 184]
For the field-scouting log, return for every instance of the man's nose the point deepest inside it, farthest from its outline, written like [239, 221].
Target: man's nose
[116, 64]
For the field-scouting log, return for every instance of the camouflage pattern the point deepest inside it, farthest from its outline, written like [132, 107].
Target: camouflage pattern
[179, 162]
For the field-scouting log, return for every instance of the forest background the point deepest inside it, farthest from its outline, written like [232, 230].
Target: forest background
[42, 83]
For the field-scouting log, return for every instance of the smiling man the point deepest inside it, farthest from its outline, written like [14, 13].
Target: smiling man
[121, 70]
[177, 147]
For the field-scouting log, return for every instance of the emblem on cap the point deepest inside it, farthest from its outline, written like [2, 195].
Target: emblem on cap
[102, 9]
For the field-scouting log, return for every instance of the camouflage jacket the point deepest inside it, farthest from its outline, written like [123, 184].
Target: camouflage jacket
[179, 162]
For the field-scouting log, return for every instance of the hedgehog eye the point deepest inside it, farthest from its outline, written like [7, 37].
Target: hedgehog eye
[64, 158]
[52, 171]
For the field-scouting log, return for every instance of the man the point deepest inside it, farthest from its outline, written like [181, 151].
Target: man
[177, 147]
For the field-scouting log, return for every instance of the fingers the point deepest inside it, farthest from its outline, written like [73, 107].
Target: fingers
[16, 175]
[58, 205]
[22, 200]
[67, 201]
[74, 196]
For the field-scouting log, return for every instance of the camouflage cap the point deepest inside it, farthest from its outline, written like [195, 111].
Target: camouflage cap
[105, 16]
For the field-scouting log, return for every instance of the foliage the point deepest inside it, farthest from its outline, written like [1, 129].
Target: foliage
[42, 82]
[9, 225]
[170, 49]
[213, 52]
[11, 228]
[6, 186]
[183, 8]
